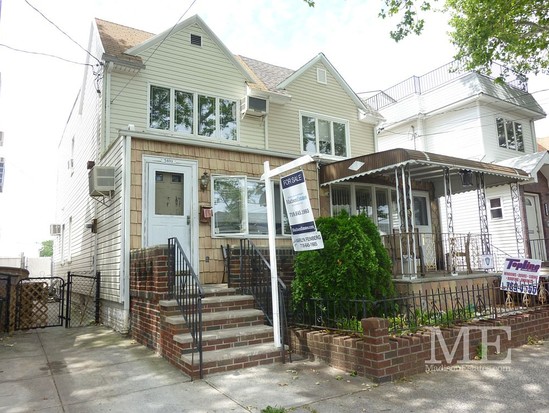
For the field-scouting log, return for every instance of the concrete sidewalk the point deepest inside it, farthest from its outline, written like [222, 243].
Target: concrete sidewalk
[94, 369]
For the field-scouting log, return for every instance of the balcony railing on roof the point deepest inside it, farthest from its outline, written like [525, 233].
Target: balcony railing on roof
[437, 77]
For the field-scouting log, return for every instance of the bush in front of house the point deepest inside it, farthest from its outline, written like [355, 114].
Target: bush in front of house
[354, 265]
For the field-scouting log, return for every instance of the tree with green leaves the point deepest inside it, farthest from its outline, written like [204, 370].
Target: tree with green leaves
[484, 32]
[47, 248]
[353, 265]
[514, 33]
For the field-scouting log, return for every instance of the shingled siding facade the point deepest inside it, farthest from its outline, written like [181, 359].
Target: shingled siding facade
[218, 162]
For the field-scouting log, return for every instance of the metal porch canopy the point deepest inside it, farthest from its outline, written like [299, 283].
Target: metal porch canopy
[422, 166]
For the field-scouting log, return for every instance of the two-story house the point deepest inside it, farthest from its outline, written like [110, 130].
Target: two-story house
[468, 115]
[168, 138]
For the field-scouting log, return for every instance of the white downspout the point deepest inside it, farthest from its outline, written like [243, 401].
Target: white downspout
[125, 247]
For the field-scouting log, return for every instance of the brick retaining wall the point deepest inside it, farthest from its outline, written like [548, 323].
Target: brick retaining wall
[382, 357]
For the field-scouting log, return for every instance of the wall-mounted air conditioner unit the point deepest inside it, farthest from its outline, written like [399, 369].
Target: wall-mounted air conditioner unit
[253, 106]
[55, 229]
[102, 180]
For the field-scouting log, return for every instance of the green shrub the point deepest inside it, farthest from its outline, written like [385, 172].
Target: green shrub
[353, 264]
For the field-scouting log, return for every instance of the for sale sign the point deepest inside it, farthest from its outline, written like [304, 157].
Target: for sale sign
[521, 275]
[300, 215]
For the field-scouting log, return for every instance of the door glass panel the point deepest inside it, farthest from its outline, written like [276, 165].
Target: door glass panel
[168, 193]
[420, 211]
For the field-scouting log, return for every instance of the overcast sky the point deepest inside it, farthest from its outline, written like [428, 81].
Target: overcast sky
[37, 92]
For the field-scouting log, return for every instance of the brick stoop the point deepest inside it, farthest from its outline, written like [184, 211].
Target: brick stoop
[234, 334]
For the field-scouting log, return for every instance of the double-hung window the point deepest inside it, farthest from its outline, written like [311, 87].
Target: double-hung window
[240, 207]
[192, 113]
[324, 136]
[496, 208]
[510, 134]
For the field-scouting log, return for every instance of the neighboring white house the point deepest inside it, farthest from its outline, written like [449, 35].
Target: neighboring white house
[468, 115]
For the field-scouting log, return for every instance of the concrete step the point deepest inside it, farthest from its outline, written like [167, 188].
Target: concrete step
[223, 319]
[217, 289]
[234, 358]
[229, 336]
[216, 303]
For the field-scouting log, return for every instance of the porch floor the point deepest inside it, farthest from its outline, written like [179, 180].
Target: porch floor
[443, 281]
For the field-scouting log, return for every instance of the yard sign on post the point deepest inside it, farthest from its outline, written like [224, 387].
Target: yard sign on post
[521, 275]
[305, 237]
[271, 230]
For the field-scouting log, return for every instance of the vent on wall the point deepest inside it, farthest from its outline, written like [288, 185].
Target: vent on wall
[102, 180]
[196, 40]
[321, 76]
[55, 229]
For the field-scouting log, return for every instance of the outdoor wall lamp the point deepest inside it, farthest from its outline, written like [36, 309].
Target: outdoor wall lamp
[466, 177]
[205, 181]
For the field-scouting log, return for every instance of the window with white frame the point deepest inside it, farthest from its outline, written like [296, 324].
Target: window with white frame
[324, 136]
[192, 113]
[240, 208]
[510, 134]
[379, 203]
[496, 208]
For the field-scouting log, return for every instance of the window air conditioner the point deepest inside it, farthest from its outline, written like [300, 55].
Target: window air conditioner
[253, 106]
[101, 180]
[55, 229]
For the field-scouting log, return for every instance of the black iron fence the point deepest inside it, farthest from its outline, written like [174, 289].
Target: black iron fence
[83, 298]
[5, 294]
[255, 279]
[184, 287]
[441, 307]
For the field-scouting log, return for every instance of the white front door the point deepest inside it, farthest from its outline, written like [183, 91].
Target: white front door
[535, 228]
[169, 203]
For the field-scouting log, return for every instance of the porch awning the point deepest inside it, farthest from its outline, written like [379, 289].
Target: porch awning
[423, 166]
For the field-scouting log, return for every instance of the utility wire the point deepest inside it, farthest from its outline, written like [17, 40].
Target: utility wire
[58, 28]
[43, 54]
[155, 49]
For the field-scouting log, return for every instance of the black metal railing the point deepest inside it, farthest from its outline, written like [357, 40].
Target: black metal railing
[255, 279]
[184, 287]
[441, 307]
[5, 300]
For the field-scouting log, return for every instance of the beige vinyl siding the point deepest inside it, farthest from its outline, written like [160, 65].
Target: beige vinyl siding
[175, 63]
[323, 99]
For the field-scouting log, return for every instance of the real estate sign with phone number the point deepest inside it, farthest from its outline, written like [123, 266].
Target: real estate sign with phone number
[300, 215]
[520, 275]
